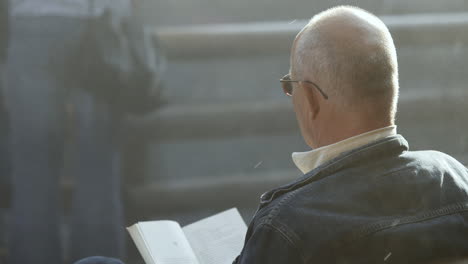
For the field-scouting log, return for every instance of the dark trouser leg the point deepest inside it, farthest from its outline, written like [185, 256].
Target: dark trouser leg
[97, 218]
[33, 101]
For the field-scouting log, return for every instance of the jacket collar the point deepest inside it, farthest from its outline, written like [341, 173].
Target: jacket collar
[389, 146]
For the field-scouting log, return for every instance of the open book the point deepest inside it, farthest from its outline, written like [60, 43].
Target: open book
[217, 239]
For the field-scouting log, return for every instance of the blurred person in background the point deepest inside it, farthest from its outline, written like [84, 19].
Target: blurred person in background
[48, 52]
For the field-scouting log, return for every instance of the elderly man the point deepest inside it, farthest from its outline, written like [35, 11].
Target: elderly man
[364, 197]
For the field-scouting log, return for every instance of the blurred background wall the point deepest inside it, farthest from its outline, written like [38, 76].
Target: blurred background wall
[183, 12]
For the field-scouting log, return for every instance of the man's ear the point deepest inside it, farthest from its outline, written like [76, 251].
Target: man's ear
[313, 102]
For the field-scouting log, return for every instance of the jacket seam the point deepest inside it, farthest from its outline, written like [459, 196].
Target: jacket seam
[274, 211]
[269, 224]
[394, 222]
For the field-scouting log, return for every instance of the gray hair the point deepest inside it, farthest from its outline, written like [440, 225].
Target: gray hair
[356, 65]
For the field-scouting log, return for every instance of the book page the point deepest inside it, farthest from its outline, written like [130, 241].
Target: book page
[217, 239]
[162, 242]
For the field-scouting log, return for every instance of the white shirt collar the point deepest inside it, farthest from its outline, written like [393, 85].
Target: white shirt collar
[307, 161]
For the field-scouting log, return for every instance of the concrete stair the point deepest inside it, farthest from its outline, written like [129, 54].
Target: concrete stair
[187, 12]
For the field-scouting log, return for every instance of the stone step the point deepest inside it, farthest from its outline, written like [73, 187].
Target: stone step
[243, 62]
[182, 12]
[176, 122]
[236, 119]
[198, 194]
[266, 38]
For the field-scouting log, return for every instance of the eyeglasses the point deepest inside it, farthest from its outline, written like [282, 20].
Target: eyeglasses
[286, 83]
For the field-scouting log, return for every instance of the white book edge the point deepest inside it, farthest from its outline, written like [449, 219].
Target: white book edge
[141, 243]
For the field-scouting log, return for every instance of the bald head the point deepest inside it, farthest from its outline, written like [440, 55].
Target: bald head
[350, 54]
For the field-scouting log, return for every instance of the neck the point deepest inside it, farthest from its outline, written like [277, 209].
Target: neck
[343, 129]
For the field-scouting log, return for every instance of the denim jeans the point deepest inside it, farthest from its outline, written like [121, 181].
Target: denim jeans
[36, 104]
